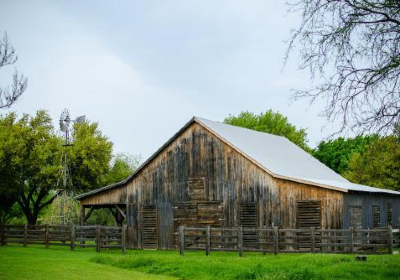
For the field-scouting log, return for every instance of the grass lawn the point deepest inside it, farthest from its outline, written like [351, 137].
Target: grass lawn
[35, 262]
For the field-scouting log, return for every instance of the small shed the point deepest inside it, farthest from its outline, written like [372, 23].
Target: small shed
[218, 175]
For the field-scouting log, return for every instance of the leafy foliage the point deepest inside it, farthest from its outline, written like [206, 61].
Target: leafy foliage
[123, 166]
[378, 166]
[336, 153]
[273, 123]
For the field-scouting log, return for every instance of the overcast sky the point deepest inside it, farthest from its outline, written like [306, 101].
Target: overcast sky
[142, 69]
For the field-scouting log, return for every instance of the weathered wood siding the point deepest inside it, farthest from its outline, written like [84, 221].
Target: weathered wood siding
[229, 177]
[366, 203]
[111, 196]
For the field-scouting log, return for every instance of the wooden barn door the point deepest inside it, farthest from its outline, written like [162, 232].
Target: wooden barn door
[308, 214]
[149, 226]
[197, 215]
[248, 218]
[356, 216]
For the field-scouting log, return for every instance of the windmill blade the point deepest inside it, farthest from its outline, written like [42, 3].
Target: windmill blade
[80, 119]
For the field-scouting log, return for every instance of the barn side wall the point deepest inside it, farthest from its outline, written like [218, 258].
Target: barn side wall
[366, 202]
[229, 178]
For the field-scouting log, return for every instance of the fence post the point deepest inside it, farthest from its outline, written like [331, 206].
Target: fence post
[276, 240]
[208, 240]
[72, 238]
[181, 240]
[351, 240]
[25, 240]
[123, 238]
[312, 239]
[98, 239]
[46, 236]
[390, 240]
[240, 241]
[3, 228]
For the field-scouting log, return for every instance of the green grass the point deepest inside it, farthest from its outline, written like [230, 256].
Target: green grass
[35, 262]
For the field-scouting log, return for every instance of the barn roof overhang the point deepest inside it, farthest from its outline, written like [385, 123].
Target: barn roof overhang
[343, 186]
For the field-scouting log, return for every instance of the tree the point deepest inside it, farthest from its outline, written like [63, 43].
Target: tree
[336, 153]
[30, 152]
[352, 47]
[378, 166]
[270, 122]
[10, 94]
[122, 166]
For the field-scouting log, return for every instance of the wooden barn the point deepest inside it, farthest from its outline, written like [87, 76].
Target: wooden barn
[210, 173]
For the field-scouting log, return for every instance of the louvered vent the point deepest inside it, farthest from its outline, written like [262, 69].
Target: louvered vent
[309, 214]
[376, 216]
[149, 226]
[389, 214]
[249, 219]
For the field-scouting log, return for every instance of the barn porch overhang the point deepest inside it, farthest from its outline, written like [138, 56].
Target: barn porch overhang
[118, 210]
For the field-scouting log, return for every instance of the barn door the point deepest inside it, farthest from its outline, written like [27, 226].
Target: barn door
[249, 219]
[356, 216]
[149, 226]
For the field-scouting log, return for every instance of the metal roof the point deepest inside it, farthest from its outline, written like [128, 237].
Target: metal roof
[275, 154]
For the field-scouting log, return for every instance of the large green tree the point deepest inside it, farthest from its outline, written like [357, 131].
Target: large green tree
[378, 166]
[30, 153]
[273, 123]
[122, 166]
[336, 153]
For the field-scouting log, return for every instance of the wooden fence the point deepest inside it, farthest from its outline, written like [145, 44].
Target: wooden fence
[274, 240]
[82, 236]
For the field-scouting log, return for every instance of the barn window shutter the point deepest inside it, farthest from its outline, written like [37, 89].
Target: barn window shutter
[356, 216]
[389, 214]
[309, 214]
[149, 226]
[376, 216]
[197, 188]
[249, 219]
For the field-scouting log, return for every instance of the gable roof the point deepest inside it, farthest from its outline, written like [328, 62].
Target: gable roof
[275, 154]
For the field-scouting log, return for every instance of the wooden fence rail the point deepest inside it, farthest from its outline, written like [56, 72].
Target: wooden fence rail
[275, 240]
[87, 236]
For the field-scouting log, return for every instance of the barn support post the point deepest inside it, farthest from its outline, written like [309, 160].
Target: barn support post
[276, 240]
[181, 240]
[82, 218]
[25, 240]
[208, 240]
[98, 238]
[312, 239]
[123, 238]
[390, 240]
[46, 236]
[351, 240]
[240, 241]
[72, 237]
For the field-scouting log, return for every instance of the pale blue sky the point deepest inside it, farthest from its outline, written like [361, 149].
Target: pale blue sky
[142, 69]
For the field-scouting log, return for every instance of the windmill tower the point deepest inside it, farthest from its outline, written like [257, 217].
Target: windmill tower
[63, 204]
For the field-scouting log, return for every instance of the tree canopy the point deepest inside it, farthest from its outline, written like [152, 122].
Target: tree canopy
[273, 123]
[378, 165]
[30, 153]
[336, 153]
[352, 49]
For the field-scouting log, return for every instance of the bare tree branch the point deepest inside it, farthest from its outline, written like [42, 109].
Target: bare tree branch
[352, 47]
[10, 94]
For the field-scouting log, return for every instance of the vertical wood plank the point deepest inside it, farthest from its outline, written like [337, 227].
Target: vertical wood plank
[208, 240]
[46, 236]
[123, 238]
[276, 240]
[181, 240]
[390, 240]
[98, 239]
[312, 239]
[73, 237]
[351, 240]
[240, 241]
[25, 240]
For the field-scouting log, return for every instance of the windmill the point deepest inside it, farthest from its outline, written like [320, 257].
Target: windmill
[63, 203]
